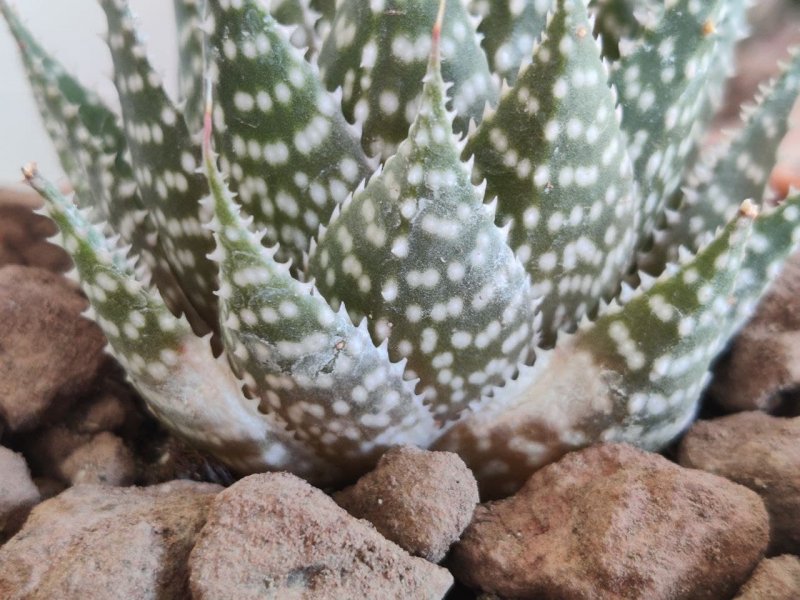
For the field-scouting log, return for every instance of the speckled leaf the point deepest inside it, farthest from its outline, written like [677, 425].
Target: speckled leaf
[741, 170]
[325, 8]
[188, 389]
[633, 375]
[621, 20]
[732, 27]
[337, 391]
[189, 15]
[300, 15]
[291, 155]
[93, 152]
[509, 31]
[419, 253]
[164, 161]
[376, 52]
[663, 84]
[775, 234]
[554, 156]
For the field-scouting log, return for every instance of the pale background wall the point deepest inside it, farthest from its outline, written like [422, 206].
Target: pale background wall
[70, 29]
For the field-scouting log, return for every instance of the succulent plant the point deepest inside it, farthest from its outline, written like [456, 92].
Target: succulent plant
[481, 226]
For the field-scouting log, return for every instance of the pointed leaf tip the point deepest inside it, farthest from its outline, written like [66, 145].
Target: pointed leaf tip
[184, 385]
[305, 362]
[418, 251]
[555, 157]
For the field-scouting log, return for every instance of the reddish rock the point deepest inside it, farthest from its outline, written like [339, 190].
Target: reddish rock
[45, 255]
[761, 452]
[774, 579]
[104, 459]
[108, 412]
[764, 359]
[115, 407]
[97, 542]
[420, 500]
[615, 522]
[48, 351]
[18, 494]
[23, 238]
[48, 448]
[274, 535]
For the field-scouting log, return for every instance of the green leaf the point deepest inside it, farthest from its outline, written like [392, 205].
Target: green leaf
[509, 31]
[338, 392]
[164, 160]
[189, 390]
[291, 155]
[418, 252]
[776, 233]
[634, 375]
[376, 52]
[554, 157]
[622, 20]
[741, 170]
[189, 16]
[665, 92]
[94, 154]
[300, 15]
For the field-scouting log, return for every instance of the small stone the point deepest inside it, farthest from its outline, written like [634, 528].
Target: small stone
[420, 500]
[18, 494]
[23, 237]
[758, 451]
[48, 448]
[44, 255]
[774, 579]
[105, 413]
[49, 350]
[612, 521]
[99, 542]
[274, 536]
[104, 459]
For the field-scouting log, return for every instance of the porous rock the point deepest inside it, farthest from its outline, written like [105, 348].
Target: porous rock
[47, 448]
[48, 350]
[761, 452]
[616, 522]
[107, 412]
[114, 407]
[774, 579]
[275, 536]
[23, 233]
[98, 542]
[18, 494]
[420, 500]
[104, 459]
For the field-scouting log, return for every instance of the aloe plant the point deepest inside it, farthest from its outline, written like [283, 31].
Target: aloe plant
[470, 226]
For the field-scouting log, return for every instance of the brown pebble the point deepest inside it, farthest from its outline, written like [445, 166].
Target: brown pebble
[104, 459]
[49, 351]
[18, 494]
[99, 542]
[774, 579]
[612, 521]
[275, 536]
[758, 451]
[420, 500]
